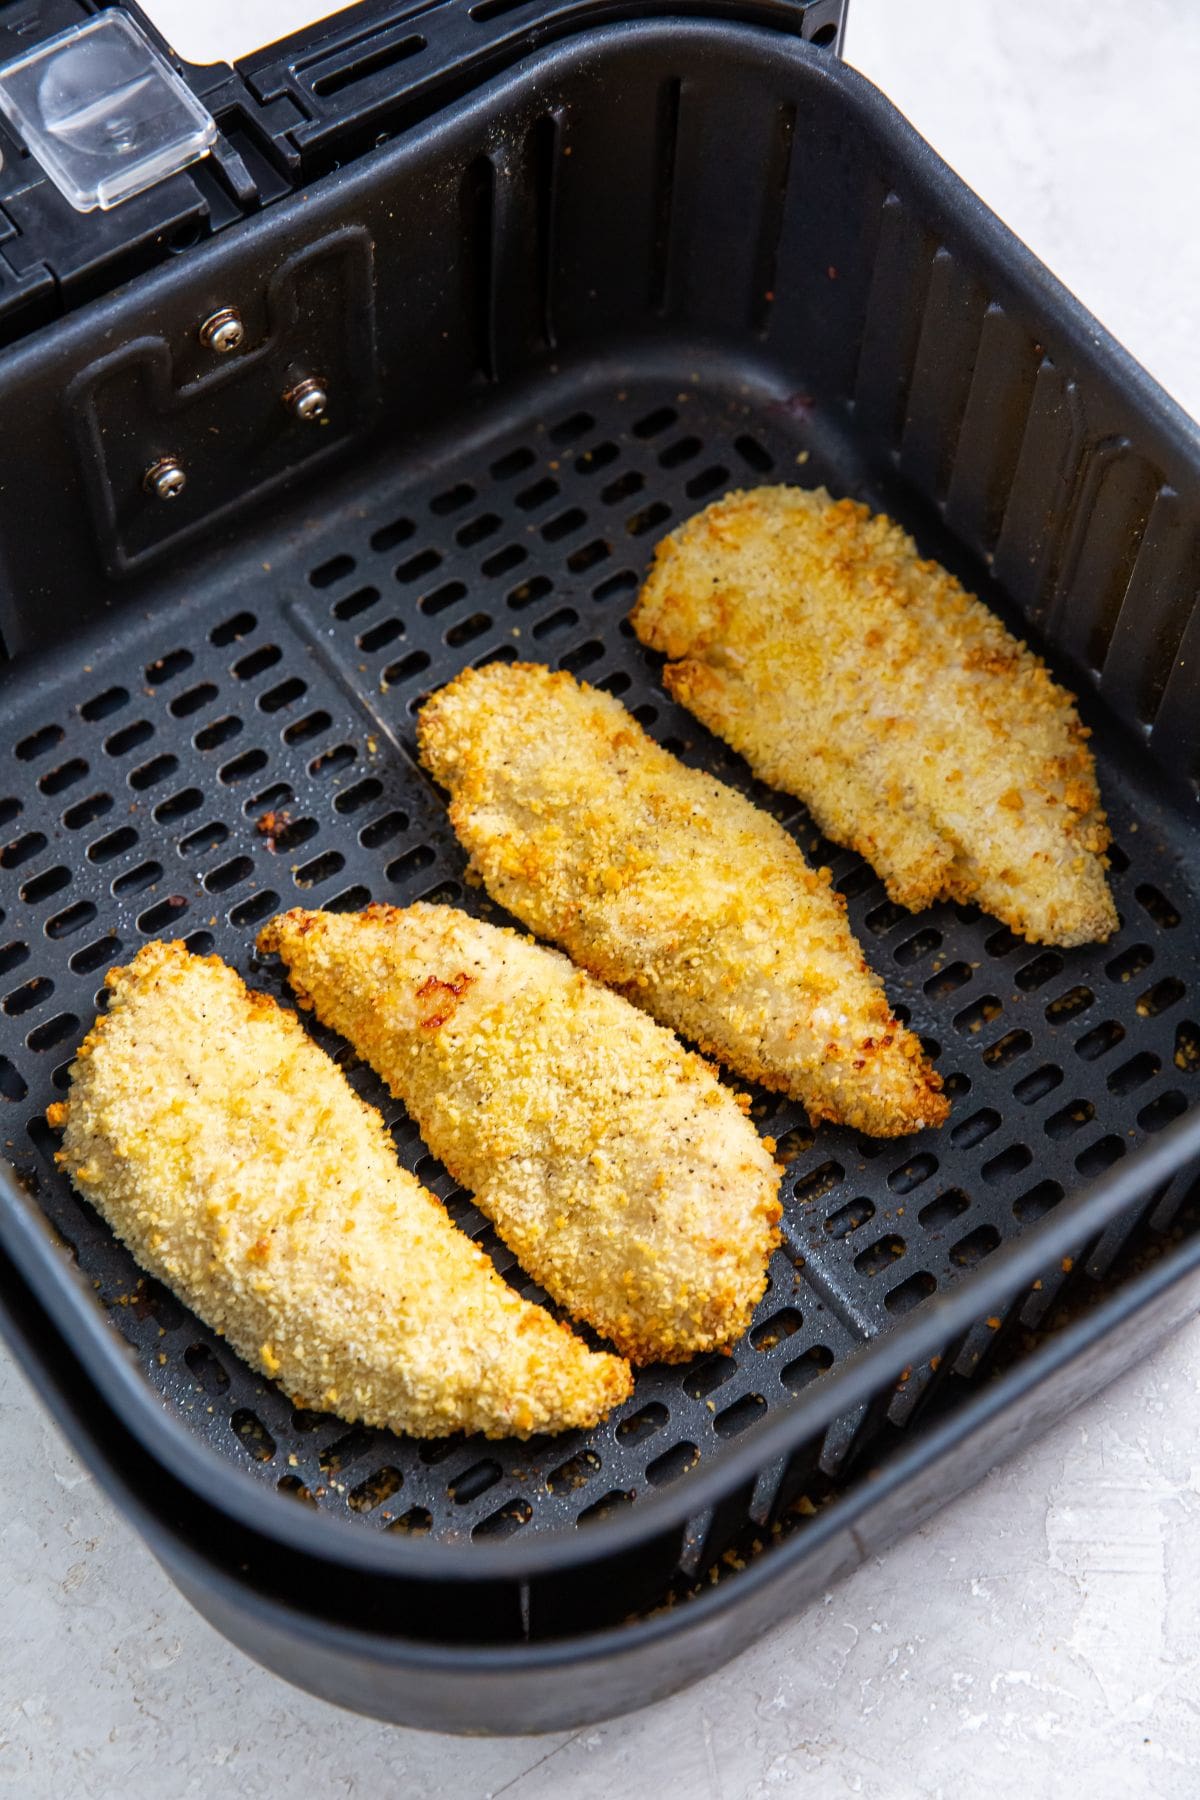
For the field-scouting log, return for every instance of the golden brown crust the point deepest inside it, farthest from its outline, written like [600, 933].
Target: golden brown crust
[810, 635]
[612, 1162]
[673, 888]
[239, 1166]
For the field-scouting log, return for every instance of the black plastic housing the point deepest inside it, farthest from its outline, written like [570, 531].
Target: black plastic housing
[645, 262]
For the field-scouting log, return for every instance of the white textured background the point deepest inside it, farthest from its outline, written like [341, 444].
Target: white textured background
[1042, 1637]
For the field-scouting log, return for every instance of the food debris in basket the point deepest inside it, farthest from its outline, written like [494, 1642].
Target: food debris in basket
[272, 824]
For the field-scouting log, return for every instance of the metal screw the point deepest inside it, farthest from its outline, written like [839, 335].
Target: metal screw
[307, 400]
[223, 331]
[164, 479]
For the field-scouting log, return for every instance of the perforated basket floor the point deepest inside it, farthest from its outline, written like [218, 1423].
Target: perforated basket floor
[133, 797]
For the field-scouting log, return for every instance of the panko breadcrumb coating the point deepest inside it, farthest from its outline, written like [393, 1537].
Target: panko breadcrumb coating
[851, 672]
[236, 1162]
[612, 1162]
[670, 886]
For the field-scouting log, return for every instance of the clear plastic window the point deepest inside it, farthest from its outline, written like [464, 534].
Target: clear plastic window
[103, 112]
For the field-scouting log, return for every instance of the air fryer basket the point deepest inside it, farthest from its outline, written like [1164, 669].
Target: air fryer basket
[652, 263]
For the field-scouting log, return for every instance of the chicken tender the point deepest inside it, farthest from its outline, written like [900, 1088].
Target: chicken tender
[236, 1162]
[673, 888]
[847, 670]
[614, 1165]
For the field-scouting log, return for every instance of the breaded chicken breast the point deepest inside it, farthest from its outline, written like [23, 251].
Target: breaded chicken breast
[847, 670]
[673, 888]
[236, 1162]
[612, 1162]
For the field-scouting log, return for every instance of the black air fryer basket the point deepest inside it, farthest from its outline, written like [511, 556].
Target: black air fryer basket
[564, 274]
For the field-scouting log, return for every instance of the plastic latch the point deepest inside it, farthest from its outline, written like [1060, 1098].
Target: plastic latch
[103, 112]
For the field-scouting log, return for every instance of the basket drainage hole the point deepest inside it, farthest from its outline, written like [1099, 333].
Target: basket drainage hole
[643, 1423]
[505, 1521]
[1007, 1049]
[1069, 1005]
[575, 1473]
[53, 1032]
[1037, 1201]
[29, 995]
[911, 1174]
[743, 1412]
[96, 954]
[1157, 999]
[884, 917]
[947, 981]
[416, 1522]
[1131, 962]
[913, 949]
[805, 1369]
[205, 1367]
[65, 776]
[981, 1012]
[818, 1182]
[910, 1293]
[880, 1255]
[653, 424]
[102, 706]
[343, 1451]
[1100, 1155]
[672, 1464]
[12, 1087]
[375, 1489]
[259, 906]
[605, 1507]
[40, 887]
[166, 668]
[944, 1210]
[777, 1329]
[514, 462]
[1100, 1040]
[320, 869]
[1151, 900]
[252, 1434]
[323, 576]
[474, 1481]
[1009, 1162]
[294, 1488]
[1134, 1074]
[39, 742]
[1187, 1047]
[452, 499]
[86, 812]
[1037, 973]
[794, 1143]
[193, 698]
[713, 1373]
[1036, 1085]
[305, 1420]
[974, 1130]
[576, 423]
[1069, 1119]
[975, 1246]
[1162, 1111]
